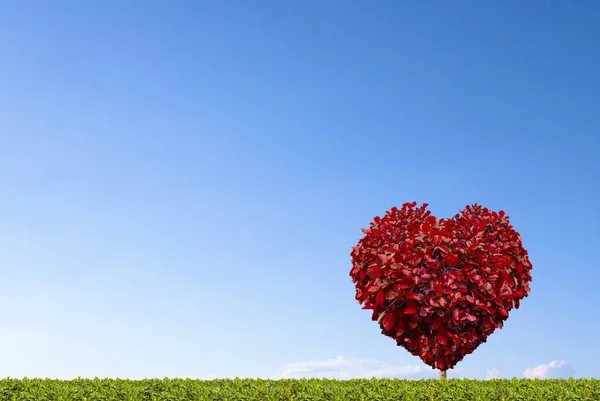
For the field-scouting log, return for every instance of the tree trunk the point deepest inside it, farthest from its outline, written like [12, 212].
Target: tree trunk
[442, 375]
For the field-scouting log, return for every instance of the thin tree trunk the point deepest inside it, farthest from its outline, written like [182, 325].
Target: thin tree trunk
[442, 375]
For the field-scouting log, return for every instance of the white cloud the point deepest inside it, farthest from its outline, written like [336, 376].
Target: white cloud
[342, 368]
[554, 369]
[491, 374]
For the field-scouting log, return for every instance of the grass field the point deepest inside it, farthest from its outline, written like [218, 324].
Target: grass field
[298, 390]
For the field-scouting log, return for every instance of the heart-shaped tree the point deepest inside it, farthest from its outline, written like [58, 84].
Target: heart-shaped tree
[440, 287]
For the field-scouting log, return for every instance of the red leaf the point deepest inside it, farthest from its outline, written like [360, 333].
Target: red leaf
[442, 340]
[451, 260]
[471, 318]
[389, 321]
[373, 288]
[414, 295]
[399, 330]
[380, 298]
[410, 310]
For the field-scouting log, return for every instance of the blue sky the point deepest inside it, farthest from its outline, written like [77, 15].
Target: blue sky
[181, 182]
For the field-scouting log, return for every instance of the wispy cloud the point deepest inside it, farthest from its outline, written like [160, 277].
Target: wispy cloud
[342, 368]
[491, 374]
[554, 369]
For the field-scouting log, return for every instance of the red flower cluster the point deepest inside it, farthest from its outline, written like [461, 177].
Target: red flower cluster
[440, 287]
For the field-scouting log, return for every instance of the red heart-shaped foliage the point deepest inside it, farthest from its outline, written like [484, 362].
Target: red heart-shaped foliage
[440, 287]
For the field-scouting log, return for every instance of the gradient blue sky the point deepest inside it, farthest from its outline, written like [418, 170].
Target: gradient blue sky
[181, 182]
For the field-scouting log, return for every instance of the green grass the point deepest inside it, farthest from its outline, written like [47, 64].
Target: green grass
[298, 390]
